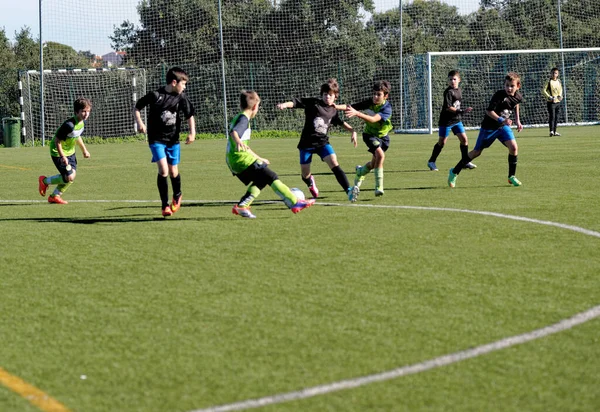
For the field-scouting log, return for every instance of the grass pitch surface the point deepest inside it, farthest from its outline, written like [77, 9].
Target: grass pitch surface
[206, 308]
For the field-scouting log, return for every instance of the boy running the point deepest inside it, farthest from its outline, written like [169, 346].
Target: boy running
[450, 120]
[378, 124]
[320, 114]
[62, 152]
[496, 125]
[250, 168]
[164, 125]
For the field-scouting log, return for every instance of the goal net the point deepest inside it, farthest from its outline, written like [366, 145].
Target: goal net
[113, 93]
[288, 48]
[483, 72]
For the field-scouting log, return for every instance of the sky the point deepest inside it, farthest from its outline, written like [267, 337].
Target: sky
[15, 14]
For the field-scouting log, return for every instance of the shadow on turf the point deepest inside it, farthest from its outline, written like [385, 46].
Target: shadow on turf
[352, 173]
[117, 219]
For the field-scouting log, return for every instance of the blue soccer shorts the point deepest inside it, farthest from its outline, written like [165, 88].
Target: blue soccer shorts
[457, 128]
[487, 137]
[161, 150]
[323, 152]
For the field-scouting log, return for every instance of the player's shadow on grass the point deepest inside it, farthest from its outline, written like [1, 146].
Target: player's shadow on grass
[351, 173]
[116, 219]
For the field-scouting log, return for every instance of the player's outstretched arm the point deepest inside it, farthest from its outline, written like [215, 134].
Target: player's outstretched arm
[286, 105]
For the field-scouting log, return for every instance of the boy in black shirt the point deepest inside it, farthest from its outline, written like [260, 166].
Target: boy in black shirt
[496, 125]
[320, 114]
[164, 125]
[450, 120]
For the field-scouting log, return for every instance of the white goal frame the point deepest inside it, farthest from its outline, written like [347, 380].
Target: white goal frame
[33, 121]
[431, 128]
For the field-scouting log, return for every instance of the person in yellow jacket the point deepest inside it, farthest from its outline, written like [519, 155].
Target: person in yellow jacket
[553, 93]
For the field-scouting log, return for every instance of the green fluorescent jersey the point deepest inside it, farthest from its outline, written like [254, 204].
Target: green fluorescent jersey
[67, 133]
[239, 161]
[381, 128]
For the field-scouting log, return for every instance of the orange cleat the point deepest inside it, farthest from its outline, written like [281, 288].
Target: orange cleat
[176, 204]
[42, 187]
[57, 199]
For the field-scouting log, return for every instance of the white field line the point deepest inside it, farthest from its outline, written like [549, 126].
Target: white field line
[410, 369]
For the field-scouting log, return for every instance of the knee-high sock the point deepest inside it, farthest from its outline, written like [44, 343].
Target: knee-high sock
[512, 165]
[437, 149]
[252, 193]
[176, 185]
[308, 181]
[61, 188]
[378, 177]
[341, 177]
[363, 170]
[163, 190]
[284, 193]
[53, 180]
[464, 151]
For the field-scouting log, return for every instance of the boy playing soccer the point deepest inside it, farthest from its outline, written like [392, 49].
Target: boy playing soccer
[164, 125]
[62, 152]
[378, 124]
[496, 125]
[250, 168]
[320, 114]
[450, 120]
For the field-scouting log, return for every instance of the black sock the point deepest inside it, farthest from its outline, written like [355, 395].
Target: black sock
[341, 177]
[512, 165]
[176, 183]
[308, 181]
[437, 149]
[163, 190]
[464, 151]
[246, 199]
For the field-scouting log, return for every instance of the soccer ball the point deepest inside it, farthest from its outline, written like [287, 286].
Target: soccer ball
[298, 193]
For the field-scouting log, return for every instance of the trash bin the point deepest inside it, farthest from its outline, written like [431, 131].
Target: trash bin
[11, 128]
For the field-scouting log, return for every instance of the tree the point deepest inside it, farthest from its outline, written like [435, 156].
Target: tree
[26, 50]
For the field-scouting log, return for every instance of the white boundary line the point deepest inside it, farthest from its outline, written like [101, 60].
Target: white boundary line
[444, 360]
[411, 369]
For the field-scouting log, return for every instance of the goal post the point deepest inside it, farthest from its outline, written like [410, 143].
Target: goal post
[483, 72]
[113, 93]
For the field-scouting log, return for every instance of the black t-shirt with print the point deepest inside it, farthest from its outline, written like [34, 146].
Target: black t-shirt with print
[318, 118]
[503, 105]
[452, 98]
[164, 120]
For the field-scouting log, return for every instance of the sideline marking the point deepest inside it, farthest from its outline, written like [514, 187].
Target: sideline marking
[14, 167]
[31, 393]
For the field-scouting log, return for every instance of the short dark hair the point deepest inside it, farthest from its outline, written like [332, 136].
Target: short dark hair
[554, 69]
[383, 86]
[248, 98]
[513, 76]
[176, 73]
[453, 73]
[81, 103]
[331, 86]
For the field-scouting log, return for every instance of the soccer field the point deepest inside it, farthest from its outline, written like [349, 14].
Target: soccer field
[106, 306]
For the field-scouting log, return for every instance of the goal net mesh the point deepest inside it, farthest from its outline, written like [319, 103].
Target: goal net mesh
[288, 48]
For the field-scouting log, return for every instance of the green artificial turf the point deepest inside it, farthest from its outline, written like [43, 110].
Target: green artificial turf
[206, 308]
